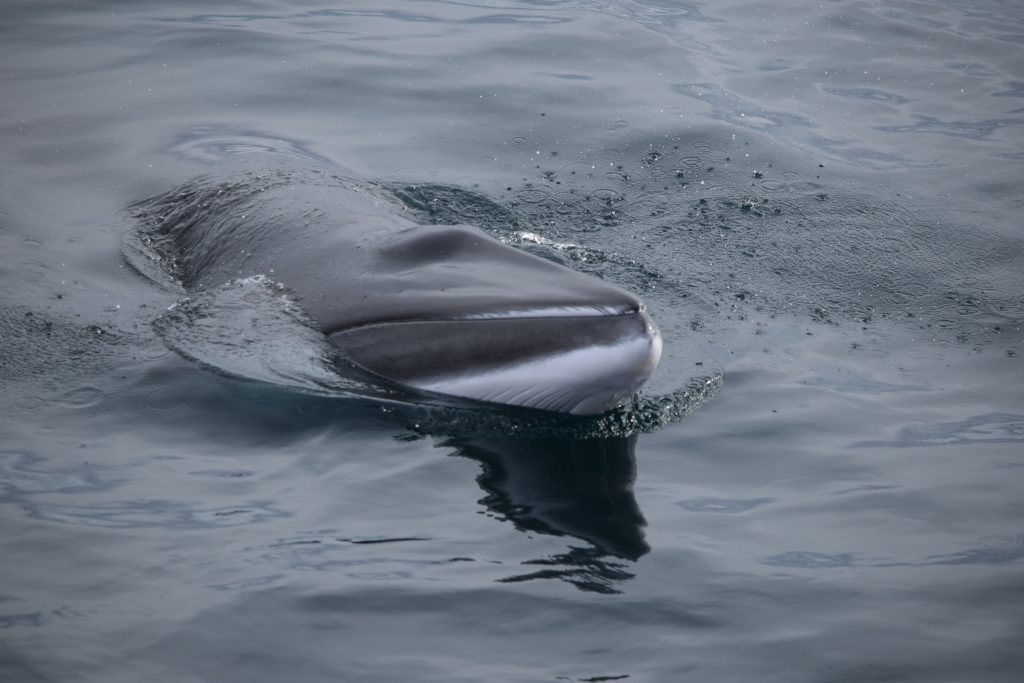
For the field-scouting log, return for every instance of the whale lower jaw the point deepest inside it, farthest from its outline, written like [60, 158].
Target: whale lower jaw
[587, 381]
[578, 365]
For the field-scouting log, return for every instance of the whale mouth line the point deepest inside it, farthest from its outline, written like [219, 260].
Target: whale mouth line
[555, 312]
[564, 312]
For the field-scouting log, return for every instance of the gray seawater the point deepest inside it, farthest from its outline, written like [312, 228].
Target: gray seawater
[820, 203]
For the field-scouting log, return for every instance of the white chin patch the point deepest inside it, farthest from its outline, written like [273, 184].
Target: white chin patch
[587, 381]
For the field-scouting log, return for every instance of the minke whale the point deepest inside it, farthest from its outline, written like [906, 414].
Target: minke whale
[441, 308]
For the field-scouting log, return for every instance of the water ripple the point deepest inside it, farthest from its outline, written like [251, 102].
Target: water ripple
[977, 130]
[990, 428]
[154, 513]
[867, 94]
[724, 505]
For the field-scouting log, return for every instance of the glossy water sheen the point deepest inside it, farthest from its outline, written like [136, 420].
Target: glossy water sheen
[821, 201]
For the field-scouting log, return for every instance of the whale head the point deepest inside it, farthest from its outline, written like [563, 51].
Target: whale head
[454, 311]
[445, 309]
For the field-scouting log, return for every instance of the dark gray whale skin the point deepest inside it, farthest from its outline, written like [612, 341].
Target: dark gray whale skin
[443, 308]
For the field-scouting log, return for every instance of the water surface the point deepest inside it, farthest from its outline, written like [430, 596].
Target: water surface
[819, 202]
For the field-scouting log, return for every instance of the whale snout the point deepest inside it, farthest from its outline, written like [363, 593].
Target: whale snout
[476, 318]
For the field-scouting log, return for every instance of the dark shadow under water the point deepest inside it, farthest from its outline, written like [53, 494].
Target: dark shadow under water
[581, 488]
[548, 474]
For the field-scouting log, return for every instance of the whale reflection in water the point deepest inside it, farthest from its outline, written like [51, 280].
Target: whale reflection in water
[581, 488]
